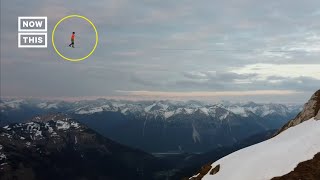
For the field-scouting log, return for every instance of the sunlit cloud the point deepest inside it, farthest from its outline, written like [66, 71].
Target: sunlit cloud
[264, 71]
[207, 93]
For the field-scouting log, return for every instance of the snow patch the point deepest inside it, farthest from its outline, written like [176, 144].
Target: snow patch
[195, 134]
[205, 111]
[271, 158]
[75, 125]
[35, 129]
[7, 128]
[52, 106]
[94, 110]
[91, 111]
[42, 105]
[168, 114]
[267, 112]
[45, 105]
[164, 106]
[7, 135]
[238, 110]
[50, 130]
[38, 133]
[148, 108]
[28, 144]
[189, 111]
[2, 155]
[15, 104]
[62, 125]
[224, 116]
[124, 110]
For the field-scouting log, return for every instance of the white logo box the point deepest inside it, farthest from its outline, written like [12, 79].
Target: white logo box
[39, 18]
[32, 46]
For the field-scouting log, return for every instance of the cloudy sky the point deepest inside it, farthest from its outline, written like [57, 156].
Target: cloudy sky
[253, 50]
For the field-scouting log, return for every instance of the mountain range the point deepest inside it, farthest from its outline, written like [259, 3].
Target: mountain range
[162, 126]
[54, 145]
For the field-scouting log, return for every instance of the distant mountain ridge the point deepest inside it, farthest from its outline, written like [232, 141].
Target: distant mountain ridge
[161, 126]
[164, 109]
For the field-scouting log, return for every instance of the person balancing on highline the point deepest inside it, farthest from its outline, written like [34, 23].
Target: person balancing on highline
[72, 40]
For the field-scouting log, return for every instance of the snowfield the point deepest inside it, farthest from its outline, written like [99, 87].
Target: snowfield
[274, 157]
[2, 155]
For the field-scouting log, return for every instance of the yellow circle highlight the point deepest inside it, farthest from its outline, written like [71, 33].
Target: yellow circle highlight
[71, 59]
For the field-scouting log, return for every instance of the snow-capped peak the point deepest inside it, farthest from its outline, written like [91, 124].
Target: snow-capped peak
[40, 128]
[13, 104]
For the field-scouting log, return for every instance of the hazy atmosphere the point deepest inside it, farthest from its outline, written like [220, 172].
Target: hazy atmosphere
[244, 50]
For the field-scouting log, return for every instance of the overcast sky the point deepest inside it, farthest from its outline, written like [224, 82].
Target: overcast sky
[243, 50]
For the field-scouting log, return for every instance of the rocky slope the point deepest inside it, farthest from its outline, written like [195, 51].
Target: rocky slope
[310, 110]
[292, 154]
[309, 169]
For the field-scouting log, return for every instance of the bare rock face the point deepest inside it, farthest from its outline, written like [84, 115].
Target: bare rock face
[215, 170]
[318, 116]
[310, 110]
[309, 169]
[203, 171]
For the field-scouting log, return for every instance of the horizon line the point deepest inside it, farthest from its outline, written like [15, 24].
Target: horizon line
[212, 96]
